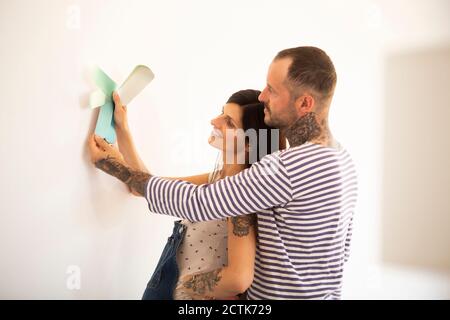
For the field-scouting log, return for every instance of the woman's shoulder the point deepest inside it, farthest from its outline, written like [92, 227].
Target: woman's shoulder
[204, 224]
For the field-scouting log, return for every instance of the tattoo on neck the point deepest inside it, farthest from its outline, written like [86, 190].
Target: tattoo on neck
[303, 130]
[136, 180]
[242, 224]
[204, 282]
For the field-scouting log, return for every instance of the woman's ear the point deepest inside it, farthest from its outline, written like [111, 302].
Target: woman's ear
[249, 154]
[247, 147]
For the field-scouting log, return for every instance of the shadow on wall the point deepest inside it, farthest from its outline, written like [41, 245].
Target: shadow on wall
[416, 174]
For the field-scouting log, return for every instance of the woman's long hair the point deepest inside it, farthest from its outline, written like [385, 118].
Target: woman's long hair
[252, 118]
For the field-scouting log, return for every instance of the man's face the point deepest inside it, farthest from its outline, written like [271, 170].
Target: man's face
[279, 111]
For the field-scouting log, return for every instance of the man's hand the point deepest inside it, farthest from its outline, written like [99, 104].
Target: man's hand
[108, 159]
[99, 149]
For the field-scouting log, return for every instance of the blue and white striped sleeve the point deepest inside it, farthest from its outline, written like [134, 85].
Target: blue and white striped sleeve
[264, 185]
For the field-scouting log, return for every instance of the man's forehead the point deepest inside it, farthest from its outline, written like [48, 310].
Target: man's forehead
[278, 69]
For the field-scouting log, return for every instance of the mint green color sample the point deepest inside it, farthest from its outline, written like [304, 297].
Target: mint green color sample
[105, 121]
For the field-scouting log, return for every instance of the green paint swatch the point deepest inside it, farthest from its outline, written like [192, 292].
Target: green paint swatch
[105, 122]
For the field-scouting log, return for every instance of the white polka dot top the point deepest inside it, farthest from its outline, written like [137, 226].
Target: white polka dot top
[203, 248]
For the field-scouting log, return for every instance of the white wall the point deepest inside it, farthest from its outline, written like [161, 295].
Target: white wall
[56, 210]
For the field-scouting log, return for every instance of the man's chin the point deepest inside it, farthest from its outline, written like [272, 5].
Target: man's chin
[267, 120]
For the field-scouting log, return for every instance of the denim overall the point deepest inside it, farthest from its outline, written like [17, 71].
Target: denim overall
[165, 277]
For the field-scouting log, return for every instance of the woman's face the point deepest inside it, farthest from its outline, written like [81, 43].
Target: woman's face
[226, 125]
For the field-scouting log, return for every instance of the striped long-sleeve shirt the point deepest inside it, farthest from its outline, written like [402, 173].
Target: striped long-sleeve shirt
[304, 198]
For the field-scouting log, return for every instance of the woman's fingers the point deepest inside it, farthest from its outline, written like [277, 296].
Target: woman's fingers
[116, 99]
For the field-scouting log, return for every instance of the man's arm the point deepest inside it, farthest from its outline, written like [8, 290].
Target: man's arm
[197, 179]
[107, 158]
[264, 185]
[111, 161]
[136, 180]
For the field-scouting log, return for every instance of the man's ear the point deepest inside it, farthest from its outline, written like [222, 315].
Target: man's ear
[304, 104]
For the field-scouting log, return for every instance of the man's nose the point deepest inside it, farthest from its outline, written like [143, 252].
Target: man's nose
[262, 95]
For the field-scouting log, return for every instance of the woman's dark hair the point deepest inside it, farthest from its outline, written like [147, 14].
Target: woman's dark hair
[253, 118]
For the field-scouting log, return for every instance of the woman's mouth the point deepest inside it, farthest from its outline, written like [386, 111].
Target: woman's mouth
[216, 139]
[216, 133]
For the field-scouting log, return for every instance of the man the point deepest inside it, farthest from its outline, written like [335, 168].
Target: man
[304, 196]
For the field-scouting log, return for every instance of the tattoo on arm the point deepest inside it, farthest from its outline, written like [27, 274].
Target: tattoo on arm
[204, 282]
[242, 224]
[136, 180]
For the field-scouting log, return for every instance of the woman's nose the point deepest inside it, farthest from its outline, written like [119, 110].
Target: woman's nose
[216, 122]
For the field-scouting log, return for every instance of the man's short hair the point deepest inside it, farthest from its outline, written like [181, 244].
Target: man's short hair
[312, 69]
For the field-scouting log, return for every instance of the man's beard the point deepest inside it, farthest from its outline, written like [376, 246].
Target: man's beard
[277, 122]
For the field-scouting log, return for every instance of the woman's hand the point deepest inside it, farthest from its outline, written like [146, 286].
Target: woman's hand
[120, 113]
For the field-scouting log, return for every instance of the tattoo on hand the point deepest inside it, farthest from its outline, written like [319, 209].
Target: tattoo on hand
[136, 180]
[242, 224]
[204, 282]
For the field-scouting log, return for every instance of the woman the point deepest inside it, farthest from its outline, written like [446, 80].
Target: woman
[220, 252]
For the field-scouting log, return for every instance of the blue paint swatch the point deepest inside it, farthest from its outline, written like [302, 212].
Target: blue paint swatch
[105, 121]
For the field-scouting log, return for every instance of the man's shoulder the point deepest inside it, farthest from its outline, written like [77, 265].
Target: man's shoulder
[306, 148]
[292, 151]
[305, 153]
[310, 150]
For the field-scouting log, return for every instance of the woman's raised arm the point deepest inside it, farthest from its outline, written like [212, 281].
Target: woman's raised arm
[128, 148]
